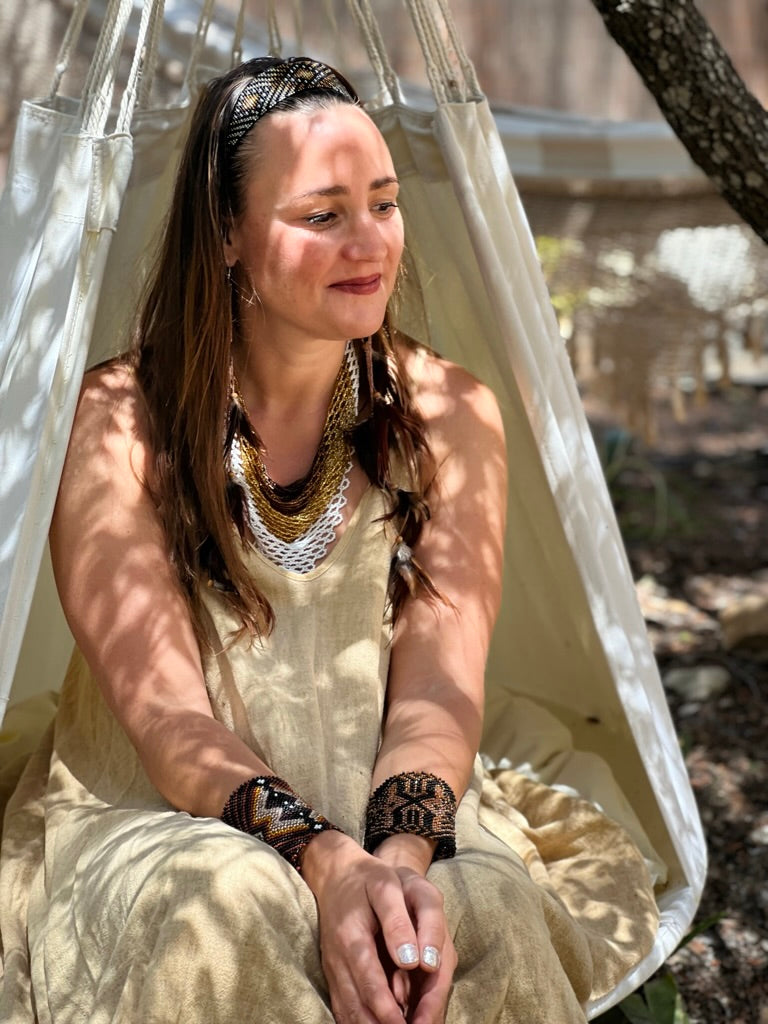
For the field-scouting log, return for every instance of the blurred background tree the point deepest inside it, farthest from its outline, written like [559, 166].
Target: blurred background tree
[700, 93]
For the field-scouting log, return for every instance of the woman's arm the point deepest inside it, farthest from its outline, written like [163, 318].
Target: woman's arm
[126, 609]
[435, 691]
[434, 695]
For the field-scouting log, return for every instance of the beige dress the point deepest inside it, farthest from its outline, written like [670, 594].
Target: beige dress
[116, 908]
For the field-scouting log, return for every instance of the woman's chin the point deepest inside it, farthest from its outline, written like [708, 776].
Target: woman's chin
[361, 316]
[364, 326]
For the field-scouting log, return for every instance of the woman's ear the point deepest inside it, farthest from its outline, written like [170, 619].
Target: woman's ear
[229, 244]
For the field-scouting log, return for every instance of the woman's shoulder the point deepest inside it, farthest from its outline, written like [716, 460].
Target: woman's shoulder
[449, 398]
[110, 391]
[110, 424]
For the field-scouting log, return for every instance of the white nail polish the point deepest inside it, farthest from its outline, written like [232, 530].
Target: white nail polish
[431, 956]
[407, 953]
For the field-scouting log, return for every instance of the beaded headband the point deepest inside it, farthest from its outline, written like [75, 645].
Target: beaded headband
[265, 90]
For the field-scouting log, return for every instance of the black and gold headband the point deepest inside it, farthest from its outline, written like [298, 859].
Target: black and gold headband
[282, 80]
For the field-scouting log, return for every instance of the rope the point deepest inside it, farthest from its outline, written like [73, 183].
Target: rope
[150, 60]
[96, 69]
[436, 60]
[100, 83]
[450, 71]
[466, 65]
[197, 47]
[237, 42]
[374, 44]
[144, 57]
[275, 39]
[68, 43]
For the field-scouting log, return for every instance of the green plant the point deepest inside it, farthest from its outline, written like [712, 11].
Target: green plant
[555, 255]
[657, 1002]
[618, 457]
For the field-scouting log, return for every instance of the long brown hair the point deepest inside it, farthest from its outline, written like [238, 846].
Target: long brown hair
[182, 361]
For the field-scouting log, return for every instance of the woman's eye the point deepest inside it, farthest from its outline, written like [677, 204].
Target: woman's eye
[320, 218]
[386, 206]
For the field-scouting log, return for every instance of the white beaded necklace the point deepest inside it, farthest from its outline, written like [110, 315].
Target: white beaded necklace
[303, 554]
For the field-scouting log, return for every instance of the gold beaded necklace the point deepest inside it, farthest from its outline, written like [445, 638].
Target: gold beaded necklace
[289, 512]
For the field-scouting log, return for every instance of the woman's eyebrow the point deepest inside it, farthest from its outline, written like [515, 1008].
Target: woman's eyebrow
[378, 183]
[342, 190]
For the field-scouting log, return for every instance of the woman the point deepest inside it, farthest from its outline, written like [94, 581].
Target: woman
[278, 543]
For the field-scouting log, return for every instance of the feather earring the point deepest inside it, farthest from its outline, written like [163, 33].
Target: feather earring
[373, 392]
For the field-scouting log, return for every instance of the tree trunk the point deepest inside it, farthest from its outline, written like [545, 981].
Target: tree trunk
[699, 92]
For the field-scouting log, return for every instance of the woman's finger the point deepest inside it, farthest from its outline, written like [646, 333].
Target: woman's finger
[425, 908]
[388, 902]
[399, 979]
[400, 984]
[431, 1003]
[346, 1011]
[358, 983]
[431, 990]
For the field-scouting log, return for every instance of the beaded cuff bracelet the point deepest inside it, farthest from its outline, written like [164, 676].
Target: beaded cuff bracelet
[266, 807]
[417, 803]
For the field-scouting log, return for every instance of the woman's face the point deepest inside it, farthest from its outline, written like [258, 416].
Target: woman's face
[321, 236]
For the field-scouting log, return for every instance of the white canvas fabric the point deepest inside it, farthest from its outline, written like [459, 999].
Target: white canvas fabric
[83, 203]
[61, 203]
[570, 635]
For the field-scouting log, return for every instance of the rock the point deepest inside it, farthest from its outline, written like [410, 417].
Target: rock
[698, 683]
[713, 592]
[669, 612]
[689, 709]
[759, 833]
[746, 617]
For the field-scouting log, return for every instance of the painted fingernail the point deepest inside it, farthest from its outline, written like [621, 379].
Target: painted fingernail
[431, 956]
[407, 953]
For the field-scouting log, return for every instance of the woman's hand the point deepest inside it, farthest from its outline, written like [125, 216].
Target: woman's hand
[376, 921]
[423, 991]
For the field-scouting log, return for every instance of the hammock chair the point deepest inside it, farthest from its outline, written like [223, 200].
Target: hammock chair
[85, 194]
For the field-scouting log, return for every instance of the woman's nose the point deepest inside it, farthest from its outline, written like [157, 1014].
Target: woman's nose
[366, 239]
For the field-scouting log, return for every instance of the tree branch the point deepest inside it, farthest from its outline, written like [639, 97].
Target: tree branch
[698, 90]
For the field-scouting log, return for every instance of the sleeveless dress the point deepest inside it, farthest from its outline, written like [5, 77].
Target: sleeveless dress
[117, 909]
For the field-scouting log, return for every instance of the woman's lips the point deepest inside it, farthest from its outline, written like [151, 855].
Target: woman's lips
[359, 285]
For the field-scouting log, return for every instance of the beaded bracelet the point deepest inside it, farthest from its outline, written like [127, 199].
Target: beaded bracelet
[266, 807]
[418, 803]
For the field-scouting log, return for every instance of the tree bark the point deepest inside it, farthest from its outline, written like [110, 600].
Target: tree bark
[698, 90]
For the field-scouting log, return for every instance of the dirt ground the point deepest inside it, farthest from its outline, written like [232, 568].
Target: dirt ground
[694, 514]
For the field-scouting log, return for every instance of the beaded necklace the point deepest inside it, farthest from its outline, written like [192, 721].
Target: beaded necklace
[294, 525]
